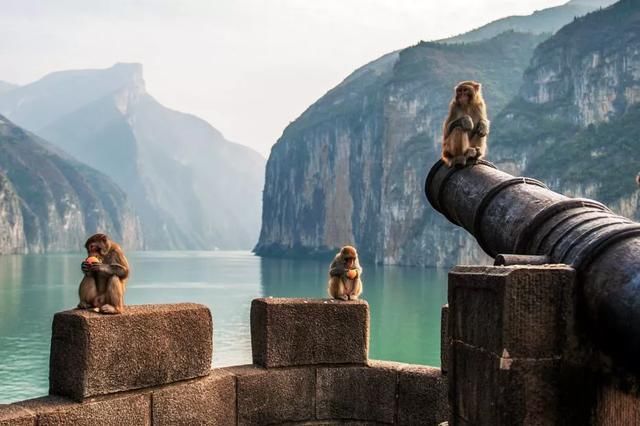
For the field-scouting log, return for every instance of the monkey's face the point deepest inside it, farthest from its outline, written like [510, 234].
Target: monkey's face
[349, 262]
[464, 94]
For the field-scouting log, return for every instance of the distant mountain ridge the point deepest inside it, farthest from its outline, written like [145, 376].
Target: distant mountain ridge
[543, 21]
[5, 87]
[192, 188]
[51, 202]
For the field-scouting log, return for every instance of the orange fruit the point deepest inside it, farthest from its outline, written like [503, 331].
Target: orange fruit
[92, 259]
[352, 273]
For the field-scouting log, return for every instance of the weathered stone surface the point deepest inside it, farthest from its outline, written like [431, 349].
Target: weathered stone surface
[14, 415]
[289, 332]
[444, 339]
[209, 400]
[332, 423]
[422, 396]
[357, 393]
[267, 396]
[134, 409]
[488, 389]
[94, 354]
[518, 308]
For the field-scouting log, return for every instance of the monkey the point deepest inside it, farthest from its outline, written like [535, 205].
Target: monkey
[344, 275]
[102, 287]
[466, 128]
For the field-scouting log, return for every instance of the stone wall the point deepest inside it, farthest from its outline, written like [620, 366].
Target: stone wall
[151, 365]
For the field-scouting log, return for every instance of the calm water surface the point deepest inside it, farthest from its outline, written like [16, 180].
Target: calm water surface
[404, 302]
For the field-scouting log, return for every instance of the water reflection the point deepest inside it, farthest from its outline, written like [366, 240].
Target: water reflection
[404, 302]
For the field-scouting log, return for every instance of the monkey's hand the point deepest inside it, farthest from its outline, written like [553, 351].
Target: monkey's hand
[85, 267]
[465, 123]
[482, 128]
[101, 268]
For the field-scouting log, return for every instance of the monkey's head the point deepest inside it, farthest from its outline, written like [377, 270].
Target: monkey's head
[468, 92]
[349, 255]
[98, 244]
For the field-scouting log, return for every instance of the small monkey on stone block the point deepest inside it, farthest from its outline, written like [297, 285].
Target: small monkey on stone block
[105, 274]
[344, 275]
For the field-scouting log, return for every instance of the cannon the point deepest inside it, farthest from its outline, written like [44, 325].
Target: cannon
[519, 217]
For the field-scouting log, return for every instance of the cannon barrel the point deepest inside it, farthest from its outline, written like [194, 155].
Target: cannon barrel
[521, 216]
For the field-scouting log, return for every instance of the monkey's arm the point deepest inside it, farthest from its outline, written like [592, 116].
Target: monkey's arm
[337, 268]
[482, 128]
[465, 123]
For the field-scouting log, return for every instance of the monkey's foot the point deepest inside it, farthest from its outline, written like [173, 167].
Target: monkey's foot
[343, 297]
[459, 160]
[108, 309]
[354, 297]
[471, 153]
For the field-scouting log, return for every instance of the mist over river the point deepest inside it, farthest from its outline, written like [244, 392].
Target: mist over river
[404, 303]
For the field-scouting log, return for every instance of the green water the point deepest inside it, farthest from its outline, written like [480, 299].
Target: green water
[404, 302]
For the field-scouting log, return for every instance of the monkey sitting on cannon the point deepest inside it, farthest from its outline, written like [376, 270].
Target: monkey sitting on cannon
[466, 127]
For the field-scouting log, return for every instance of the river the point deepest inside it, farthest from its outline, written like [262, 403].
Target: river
[404, 303]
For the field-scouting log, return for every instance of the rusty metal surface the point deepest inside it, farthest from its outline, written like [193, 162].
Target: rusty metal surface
[520, 216]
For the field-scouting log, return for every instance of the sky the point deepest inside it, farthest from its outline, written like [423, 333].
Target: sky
[248, 67]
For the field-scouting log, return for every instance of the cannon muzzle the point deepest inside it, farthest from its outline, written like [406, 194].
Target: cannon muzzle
[520, 216]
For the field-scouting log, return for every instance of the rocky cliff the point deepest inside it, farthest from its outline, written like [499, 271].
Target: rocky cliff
[192, 188]
[574, 121]
[51, 202]
[352, 167]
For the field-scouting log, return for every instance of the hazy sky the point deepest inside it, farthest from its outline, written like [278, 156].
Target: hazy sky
[248, 67]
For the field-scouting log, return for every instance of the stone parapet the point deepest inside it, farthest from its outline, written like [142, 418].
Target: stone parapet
[94, 354]
[508, 329]
[293, 332]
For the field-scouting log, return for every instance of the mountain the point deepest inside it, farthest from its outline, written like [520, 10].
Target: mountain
[351, 168]
[51, 202]
[5, 87]
[539, 22]
[575, 120]
[192, 188]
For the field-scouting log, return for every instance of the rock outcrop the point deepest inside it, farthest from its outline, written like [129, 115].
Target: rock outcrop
[51, 202]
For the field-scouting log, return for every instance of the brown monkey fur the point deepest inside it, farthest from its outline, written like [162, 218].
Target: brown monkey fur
[341, 286]
[103, 285]
[466, 128]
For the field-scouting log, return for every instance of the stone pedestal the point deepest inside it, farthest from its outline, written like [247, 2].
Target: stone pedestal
[291, 332]
[508, 327]
[94, 354]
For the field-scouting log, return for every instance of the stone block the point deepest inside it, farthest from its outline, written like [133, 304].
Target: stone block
[290, 332]
[488, 389]
[522, 309]
[422, 396]
[268, 396]
[134, 409]
[14, 415]
[445, 341]
[357, 393]
[148, 345]
[209, 400]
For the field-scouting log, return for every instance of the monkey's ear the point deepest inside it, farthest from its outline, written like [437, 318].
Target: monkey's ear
[477, 86]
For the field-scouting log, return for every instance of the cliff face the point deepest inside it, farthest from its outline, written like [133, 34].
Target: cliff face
[577, 113]
[50, 202]
[191, 188]
[352, 167]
